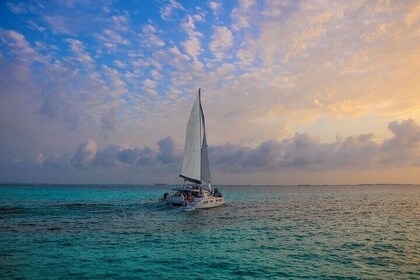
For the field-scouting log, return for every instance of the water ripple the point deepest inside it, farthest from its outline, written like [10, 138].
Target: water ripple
[261, 233]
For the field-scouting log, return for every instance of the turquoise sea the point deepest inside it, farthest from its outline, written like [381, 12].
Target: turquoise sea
[263, 232]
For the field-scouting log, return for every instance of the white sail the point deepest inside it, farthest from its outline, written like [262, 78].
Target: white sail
[191, 166]
[195, 167]
[205, 168]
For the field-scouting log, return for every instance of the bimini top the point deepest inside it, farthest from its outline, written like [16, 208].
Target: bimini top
[186, 189]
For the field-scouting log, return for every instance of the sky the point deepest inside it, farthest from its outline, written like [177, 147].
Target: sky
[294, 92]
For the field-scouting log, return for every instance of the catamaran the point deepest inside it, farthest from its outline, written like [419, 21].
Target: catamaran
[196, 191]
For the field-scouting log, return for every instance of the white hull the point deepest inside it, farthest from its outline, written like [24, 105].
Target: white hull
[205, 200]
[198, 203]
[207, 203]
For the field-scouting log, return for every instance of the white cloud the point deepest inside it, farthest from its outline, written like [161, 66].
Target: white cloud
[85, 154]
[79, 50]
[167, 10]
[149, 36]
[120, 22]
[175, 51]
[18, 45]
[200, 16]
[111, 37]
[247, 53]
[226, 71]
[215, 6]
[120, 64]
[192, 45]
[242, 13]
[149, 83]
[276, 9]
[115, 79]
[222, 40]
[150, 87]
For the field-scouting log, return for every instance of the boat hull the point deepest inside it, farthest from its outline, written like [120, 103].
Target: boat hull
[200, 203]
[209, 203]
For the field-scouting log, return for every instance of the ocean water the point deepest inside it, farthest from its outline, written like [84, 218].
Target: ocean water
[263, 232]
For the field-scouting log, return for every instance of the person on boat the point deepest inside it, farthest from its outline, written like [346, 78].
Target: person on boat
[179, 193]
[190, 197]
[217, 193]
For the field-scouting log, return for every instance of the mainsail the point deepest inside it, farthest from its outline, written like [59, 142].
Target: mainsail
[195, 167]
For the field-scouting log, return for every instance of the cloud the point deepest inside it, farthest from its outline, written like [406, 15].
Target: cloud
[149, 87]
[222, 40]
[303, 152]
[58, 88]
[79, 50]
[200, 16]
[120, 22]
[19, 46]
[56, 106]
[120, 64]
[115, 80]
[242, 14]
[215, 6]
[149, 36]
[53, 162]
[111, 38]
[167, 152]
[167, 10]
[60, 24]
[413, 16]
[300, 152]
[141, 157]
[89, 156]
[85, 154]
[192, 45]
[404, 145]
[35, 26]
[247, 53]
[108, 120]
[107, 157]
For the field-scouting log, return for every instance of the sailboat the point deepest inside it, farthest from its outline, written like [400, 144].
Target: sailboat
[196, 191]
